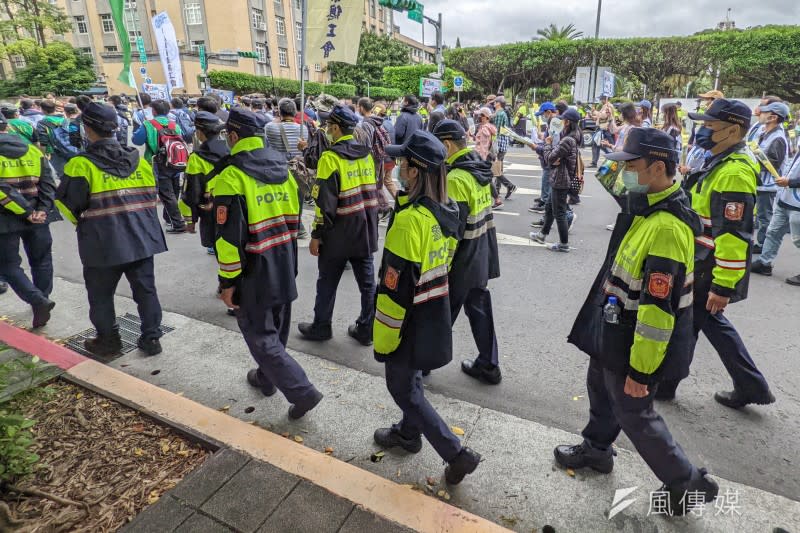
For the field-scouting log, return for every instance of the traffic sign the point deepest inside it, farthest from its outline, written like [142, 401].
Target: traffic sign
[458, 84]
[416, 13]
[142, 51]
[142, 70]
[203, 60]
[148, 80]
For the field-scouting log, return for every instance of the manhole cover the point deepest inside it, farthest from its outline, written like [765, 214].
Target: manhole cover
[130, 328]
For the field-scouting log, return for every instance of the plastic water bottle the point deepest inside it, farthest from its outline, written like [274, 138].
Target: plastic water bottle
[611, 311]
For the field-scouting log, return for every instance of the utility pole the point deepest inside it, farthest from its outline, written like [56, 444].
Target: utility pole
[725, 25]
[437, 23]
[593, 69]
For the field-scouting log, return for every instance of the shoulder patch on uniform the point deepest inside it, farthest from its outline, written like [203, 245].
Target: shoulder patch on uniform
[659, 285]
[222, 214]
[315, 191]
[391, 278]
[734, 211]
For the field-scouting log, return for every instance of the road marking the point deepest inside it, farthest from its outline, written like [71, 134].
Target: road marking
[509, 213]
[524, 191]
[522, 166]
[515, 240]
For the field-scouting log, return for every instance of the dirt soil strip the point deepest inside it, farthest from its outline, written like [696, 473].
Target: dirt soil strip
[388, 499]
[101, 463]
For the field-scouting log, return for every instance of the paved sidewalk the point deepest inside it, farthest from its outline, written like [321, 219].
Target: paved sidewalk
[232, 492]
[517, 484]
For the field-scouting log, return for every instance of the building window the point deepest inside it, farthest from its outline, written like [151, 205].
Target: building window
[298, 4]
[194, 15]
[195, 45]
[278, 2]
[261, 50]
[85, 51]
[18, 60]
[133, 35]
[280, 26]
[381, 13]
[111, 49]
[107, 23]
[372, 9]
[372, 28]
[298, 30]
[130, 4]
[283, 57]
[258, 19]
[317, 67]
[80, 25]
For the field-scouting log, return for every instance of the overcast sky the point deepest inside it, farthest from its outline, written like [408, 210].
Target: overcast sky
[482, 22]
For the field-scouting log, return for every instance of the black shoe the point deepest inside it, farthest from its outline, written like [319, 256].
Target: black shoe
[592, 165]
[510, 191]
[298, 410]
[757, 267]
[255, 380]
[757, 249]
[104, 346]
[231, 312]
[3, 287]
[581, 456]
[794, 280]
[489, 375]
[150, 346]
[315, 332]
[41, 313]
[465, 463]
[664, 395]
[680, 504]
[537, 223]
[736, 400]
[173, 229]
[362, 334]
[389, 438]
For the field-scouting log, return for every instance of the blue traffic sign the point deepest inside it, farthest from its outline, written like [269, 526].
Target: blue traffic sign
[142, 70]
[458, 81]
[148, 80]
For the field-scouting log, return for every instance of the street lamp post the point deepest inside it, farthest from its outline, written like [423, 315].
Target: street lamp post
[367, 82]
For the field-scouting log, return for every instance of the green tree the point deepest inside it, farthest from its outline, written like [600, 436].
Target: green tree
[56, 67]
[554, 33]
[374, 53]
[33, 18]
[406, 78]
[458, 42]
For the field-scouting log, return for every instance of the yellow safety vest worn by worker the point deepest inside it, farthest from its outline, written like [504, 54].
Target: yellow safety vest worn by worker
[723, 194]
[649, 269]
[257, 210]
[412, 316]
[200, 177]
[26, 184]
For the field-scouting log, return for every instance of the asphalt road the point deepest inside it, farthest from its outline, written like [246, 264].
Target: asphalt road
[535, 303]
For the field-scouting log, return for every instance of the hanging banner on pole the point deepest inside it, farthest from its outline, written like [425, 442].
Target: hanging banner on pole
[334, 29]
[168, 50]
[157, 91]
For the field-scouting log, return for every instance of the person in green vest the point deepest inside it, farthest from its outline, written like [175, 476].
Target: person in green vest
[17, 126]
[47, 134]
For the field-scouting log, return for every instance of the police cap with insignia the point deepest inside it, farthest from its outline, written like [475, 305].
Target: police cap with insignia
[646, 142]
[101, 118]
[422, 150]
[343, 117]
[449, 130]
[727, 111]
[208, 122]
[245, 123]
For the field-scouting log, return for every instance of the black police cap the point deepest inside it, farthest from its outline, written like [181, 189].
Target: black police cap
[208, 122]
[100, 117]
[727, 111]
[646, 142]
[244, 122]
[449, 130]
[343, 116]
[422, 150]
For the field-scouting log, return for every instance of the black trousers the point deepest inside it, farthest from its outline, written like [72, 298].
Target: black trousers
[477, 304]
[38, 243]
[612, 411]
[556, 210]
[169, 190]
[101, 284]
[208, 228]
[330, 273]
[266, 330]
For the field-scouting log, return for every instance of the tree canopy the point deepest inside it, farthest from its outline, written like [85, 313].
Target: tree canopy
[56, 67]
[374, 53]
[34, 17]
[554, 33]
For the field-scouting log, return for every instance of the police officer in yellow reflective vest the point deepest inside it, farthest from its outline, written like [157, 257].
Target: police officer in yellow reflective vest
[723, 193]
[412, 329]
[257, 209]
[345, 226]
[636, 324]
[476, 260]
[27, 192]
[109, 192]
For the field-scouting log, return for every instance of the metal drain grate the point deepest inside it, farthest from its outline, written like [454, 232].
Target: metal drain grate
[130, 328]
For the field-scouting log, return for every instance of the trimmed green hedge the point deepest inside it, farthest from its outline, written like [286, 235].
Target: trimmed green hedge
[406, 79]
[385, 93]
[242, 83]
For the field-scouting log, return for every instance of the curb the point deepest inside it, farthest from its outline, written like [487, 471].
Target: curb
[378, 495]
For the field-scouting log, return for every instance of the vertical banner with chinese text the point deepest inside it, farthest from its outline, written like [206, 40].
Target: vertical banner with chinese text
[334, 30]
[168, 50]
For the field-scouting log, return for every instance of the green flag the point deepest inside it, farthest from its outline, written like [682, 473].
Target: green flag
[117, 9]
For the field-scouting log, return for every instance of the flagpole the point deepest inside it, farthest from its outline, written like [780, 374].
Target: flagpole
[304, 18]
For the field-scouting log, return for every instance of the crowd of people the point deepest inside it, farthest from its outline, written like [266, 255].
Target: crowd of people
[680, 250]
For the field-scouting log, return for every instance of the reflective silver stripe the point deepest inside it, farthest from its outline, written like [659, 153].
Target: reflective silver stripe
[232, 267]
[429, 295]
[635, 284]
[472, 219]
[686, 300]
[689, 279]
[20, 179]
[30, 190]
[366, 187]
[388, 321]
[705, 221]
[255, 228]
[138, 206]
[629, 304]
[653, 333]
[733, 265]
[475, 233]
[259, 247]
[360, 206]
[432, 274]
[123, 192]
[708, 242]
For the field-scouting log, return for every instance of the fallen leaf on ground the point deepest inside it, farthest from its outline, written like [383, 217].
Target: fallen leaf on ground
[457, 430]
[377, 457]
[285, 435]
[153, 497]
[79, 396]
[179, 393]
[164, 447]
[138, 452]
[431, 481]
[225, 408]
[183, 453]
[138, 428]
[329, 450]
[381, 406]
[298, 438]
[570, 472]
[576, 398]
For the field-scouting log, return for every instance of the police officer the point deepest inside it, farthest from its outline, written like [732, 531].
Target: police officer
[476, 260]
[196, 198]
[412, 327]
[257, 210]
[723, 193]
[27, 191]
[636, 323]
[109, 192]
[345, 227]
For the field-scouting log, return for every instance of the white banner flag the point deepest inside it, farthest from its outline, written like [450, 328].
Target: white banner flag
[334, 30]
[168, 50]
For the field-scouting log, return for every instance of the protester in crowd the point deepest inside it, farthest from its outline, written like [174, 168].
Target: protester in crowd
[644, 108]
[501, 120]
[30, 112]
[672, 124]
[17, 126]
[409, 120]
[772, 141]
[142, 115]
[606, 127]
